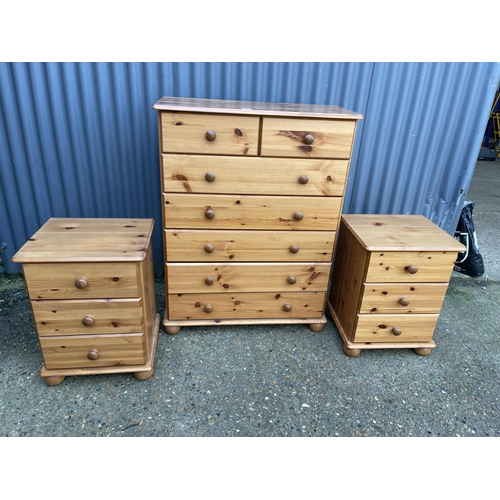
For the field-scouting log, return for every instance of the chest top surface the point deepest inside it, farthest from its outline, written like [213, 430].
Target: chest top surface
[87, 240]
[400, 233]
[195, 105]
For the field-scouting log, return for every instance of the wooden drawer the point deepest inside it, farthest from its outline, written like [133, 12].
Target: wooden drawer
[229, 278]
[251, 212]
[187, 133]
[274, 176]
[379, 328]
[77, 317]
[251, 246]
[384, 298]
[395, 266]
[109, 350]
[245, 305]
[99, 280]
[287, 137]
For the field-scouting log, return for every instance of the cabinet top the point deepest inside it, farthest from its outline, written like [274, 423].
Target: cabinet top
[400, 233]
[254, 108]
[87, 240]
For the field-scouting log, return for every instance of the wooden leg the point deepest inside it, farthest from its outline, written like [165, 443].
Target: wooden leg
[316, 327]
[352, 353]
[143, 375]
[54, 380]
[422, 351]
[172, 330]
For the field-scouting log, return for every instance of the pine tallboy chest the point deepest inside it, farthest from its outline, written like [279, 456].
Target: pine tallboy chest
[252, 195]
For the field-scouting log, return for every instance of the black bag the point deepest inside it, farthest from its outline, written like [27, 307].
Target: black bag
[469, 262]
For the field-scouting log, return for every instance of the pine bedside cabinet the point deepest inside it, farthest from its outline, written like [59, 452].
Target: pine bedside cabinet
[389, 280]
[252, 194]
[91, 288]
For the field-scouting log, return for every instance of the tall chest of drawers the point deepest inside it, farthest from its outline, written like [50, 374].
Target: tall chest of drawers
[92, 293]
[390, 277]
[252, 195]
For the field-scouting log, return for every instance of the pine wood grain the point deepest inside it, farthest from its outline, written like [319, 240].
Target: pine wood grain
[247, 212]
[253, 246]
[272, 176]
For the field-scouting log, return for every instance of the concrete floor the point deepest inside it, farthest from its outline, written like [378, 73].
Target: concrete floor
[269, 381]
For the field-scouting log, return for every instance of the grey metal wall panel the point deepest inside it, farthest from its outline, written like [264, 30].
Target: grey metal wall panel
[81, 140]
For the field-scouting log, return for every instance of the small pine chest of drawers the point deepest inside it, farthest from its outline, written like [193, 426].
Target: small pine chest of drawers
[92, 293]
[252, 194]
[389, 280]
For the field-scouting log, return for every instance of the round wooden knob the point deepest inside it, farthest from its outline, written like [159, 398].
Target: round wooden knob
[209, 248]
[88, 321]
[209, 281]
[397, 331]
[208, 308]
[294, 249]
[303, 179]
[93, 355]
[412, 269]
[404, 301]
[210, 176]
[210, 135]
[292, 280]
[308, 139]
[81, 283]
[298, 216]
[287, 307]
[209, 214]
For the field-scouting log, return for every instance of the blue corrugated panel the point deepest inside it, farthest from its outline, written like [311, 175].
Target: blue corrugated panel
[423, 129]
[81, 139]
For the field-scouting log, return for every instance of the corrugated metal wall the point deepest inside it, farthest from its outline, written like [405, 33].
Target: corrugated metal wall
[80, 139]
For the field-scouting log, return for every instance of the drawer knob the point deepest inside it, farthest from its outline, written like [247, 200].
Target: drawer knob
[287, 307]
[412, 269]
[210, 176]
[404, 301]
[88, 321]
[81, 283]
[294, 249]
[292, 280]
[298, 216]
[208, 308]
[303, 179]
[209, 214]
[93, 355]
[209, 248]
[210, 135]
[209, 281]
[397, 331]
[308, 139]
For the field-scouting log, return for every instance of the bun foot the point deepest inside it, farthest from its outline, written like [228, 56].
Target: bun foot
[316, 327]
[352, 353]
[143, 375]
[172, 330]
[53, 380]
[422, 351]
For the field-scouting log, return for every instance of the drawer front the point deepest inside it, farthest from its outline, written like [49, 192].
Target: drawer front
[80, 317]
[383, 328]
[81, 280]
[410, 267]
[87, 351]
[387, 298]
[250, 246]
[229, 175]
[190, 133]
[245, 305]
[251, 212]
[291, 137]
[230, 278]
